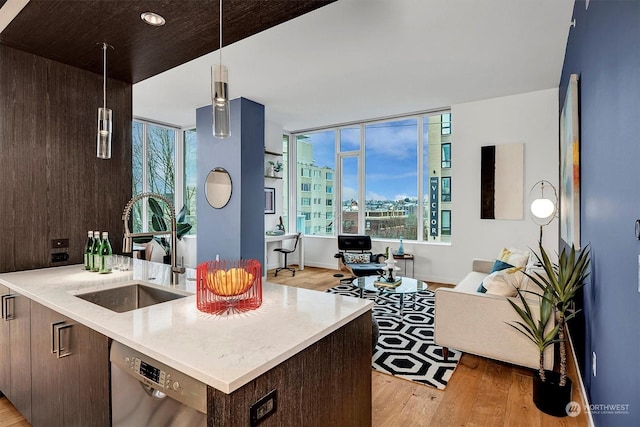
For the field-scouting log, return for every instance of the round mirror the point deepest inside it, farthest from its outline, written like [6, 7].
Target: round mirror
[217, 188]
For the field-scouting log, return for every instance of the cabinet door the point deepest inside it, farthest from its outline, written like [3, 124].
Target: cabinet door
[5, 351]
[47, 385]
[70, 375]
[21, 355]
[86, 402]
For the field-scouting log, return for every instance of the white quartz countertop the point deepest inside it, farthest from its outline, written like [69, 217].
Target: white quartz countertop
[224, 352]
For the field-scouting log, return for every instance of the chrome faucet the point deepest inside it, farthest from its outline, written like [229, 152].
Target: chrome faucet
[127, 243]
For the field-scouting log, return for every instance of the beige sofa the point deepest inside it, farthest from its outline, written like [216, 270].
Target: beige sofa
[477, 323]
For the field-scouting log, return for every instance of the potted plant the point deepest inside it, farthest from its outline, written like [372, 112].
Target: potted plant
[159, 224]
[274, 168]
[559, 284]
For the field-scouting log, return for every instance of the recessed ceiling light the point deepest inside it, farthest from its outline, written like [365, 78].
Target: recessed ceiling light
[152, 19]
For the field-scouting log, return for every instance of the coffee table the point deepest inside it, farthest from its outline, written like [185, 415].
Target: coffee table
[408, 286]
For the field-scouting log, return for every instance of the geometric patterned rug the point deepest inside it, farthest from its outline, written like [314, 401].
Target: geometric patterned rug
[405, 348]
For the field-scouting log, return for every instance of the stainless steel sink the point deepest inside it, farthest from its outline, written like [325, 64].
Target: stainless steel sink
[129, 297]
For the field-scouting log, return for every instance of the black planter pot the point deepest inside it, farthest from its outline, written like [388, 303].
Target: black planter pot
[549, 396]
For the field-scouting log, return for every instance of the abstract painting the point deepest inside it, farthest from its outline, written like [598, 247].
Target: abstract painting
[502, 181]
[570, 166]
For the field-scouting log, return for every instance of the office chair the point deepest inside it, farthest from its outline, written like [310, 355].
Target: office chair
[286, 252]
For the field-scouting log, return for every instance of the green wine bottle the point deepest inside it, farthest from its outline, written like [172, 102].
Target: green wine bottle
[87, 250]
[106, 254]
[95, 252]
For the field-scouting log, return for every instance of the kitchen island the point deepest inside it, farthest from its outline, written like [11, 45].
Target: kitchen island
[313, 347]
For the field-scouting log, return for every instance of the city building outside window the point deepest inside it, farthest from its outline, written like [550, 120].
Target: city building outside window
[393, 158]
[316, 163]
[446, 189]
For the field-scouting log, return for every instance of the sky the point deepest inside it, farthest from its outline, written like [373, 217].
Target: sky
[390, 151]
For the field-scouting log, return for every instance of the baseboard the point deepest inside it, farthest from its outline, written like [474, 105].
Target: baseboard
[583, 391]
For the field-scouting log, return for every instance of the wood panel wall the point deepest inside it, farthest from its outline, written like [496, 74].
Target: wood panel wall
[51, 183]
[326, 384]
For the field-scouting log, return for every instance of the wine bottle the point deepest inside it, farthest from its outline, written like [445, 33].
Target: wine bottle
[87, 250]
[106, 254]
[95, 252]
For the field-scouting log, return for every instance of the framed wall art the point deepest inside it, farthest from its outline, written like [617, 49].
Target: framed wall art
[269, 200]
[570, 166]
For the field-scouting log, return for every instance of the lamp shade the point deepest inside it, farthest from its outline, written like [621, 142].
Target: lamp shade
[220, 101]
[542, 208]
[543, 203]
[105, 127]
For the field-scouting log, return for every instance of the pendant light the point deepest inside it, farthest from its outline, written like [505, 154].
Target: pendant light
[220, 94]
[105, 122]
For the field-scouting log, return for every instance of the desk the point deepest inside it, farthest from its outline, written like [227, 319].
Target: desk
[289, 236]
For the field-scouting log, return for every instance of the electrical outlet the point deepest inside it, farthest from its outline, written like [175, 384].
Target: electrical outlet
[59, 243]
[59, 257]
[593, 362]
[264, 407]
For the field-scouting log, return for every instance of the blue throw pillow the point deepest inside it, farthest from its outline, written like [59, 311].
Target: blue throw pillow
[497, 266]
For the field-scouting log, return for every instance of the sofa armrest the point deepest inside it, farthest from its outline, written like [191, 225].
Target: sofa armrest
[479, 324]
[482, 265]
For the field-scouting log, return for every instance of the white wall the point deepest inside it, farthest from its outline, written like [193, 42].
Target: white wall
[531, 119]
[273, 142]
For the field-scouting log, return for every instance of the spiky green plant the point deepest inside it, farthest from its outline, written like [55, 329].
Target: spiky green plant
[562, 281]
[159, 224]
[533, 328]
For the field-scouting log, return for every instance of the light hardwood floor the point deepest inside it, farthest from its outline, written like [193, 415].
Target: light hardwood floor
[481, 392]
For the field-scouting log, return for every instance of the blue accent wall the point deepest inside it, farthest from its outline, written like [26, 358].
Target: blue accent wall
[604, 50]
[237, 230]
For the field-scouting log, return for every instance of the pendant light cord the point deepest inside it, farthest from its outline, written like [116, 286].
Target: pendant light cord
[104, 76]
[220, 33]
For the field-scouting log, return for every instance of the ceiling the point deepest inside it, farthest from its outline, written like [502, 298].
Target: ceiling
[71, 31]
[346, 61]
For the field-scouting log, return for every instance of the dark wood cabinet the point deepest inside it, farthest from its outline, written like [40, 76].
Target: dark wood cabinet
[15, 350]
[70, 372]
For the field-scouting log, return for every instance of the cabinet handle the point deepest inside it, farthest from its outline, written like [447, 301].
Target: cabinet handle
[54, 347]
[61, 348]
[5, 307]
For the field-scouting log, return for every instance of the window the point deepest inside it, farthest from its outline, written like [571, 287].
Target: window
[316, 163]
[155, 150]
[445, 125]
[446, 189]
[383, 165]
[446, 156]
[446, 223]
[190, 178]
[285, 179]
[391, 187]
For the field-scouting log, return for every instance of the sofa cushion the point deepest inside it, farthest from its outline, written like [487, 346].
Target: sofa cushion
[515, 257]
[503, 282]
[498, 266]
[350, 258]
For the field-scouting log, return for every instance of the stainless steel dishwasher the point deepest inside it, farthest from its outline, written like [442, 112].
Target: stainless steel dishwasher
[145, 392]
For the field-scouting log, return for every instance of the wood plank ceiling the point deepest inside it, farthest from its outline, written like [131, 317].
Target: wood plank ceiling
[71, 31]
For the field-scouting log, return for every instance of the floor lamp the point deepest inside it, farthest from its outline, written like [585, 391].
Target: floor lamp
[544, 204]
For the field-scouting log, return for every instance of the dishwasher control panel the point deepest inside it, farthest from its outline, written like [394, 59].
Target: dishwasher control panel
[159, 376]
